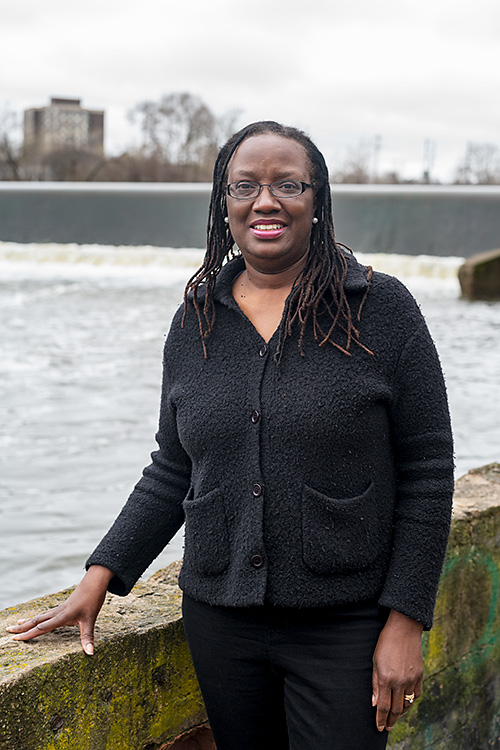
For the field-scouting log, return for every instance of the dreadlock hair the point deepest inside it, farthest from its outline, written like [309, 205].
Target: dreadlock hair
[319, 292]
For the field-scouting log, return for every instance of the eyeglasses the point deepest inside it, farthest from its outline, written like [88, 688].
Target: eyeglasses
[246, 190]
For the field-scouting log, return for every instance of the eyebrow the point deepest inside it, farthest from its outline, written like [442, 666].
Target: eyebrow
[281, 175]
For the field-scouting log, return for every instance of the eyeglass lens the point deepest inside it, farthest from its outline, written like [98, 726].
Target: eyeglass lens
[280, 188]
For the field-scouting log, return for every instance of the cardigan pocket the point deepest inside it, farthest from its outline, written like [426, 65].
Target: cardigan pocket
[339, 535]
[206, 538]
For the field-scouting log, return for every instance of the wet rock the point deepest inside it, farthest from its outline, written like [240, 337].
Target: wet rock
[479, 276]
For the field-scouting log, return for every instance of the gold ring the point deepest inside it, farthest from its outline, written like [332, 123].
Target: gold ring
[410, 697]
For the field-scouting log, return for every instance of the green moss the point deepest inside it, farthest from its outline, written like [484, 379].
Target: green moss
[136, 690]
[460, 706]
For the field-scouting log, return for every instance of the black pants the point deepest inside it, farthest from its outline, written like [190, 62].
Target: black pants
[275, 678]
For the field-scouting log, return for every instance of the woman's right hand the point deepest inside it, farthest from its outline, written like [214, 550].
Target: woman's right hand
[80, 608]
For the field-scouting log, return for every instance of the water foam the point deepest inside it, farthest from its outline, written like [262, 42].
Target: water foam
[425, 275]
[55, 261]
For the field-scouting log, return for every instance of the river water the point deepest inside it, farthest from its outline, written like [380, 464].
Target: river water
[82, 332]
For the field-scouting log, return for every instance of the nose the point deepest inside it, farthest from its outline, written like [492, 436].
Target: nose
[266, 201]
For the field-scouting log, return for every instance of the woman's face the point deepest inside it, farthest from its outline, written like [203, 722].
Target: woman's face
[271, 233]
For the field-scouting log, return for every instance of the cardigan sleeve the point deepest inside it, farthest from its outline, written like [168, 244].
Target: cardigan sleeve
[423, 452]
[153, 513]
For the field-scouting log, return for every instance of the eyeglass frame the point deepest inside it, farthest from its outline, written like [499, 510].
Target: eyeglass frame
[304, 185]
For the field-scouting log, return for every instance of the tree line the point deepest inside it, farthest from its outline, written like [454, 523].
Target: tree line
[179, 140]
[480, 165]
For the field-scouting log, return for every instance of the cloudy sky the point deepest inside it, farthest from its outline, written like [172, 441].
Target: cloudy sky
[350, 72]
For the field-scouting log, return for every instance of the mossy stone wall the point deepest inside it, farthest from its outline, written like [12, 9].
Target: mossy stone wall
[460, 706]
[139, 691]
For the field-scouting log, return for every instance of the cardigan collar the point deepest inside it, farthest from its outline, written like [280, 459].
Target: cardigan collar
[355, 281]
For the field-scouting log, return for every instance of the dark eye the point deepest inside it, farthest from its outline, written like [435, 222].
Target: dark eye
[244, 187]
[287, 187]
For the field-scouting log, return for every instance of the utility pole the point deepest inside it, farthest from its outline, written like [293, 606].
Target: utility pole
[429, 158]
[377, 145]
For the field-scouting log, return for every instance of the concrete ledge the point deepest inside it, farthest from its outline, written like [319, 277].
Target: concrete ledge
[460, 707]
[139, 691]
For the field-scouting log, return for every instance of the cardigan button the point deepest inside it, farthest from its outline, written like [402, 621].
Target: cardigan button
[263, 350]
[255, 416]
[257, 561]
[257, 489]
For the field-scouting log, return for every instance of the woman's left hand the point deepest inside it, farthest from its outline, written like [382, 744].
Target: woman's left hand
[397, 668]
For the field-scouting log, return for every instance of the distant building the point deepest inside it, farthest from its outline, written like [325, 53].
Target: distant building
[63, 125]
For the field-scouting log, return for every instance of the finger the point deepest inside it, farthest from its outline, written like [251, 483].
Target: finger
[381, 717]
[410, 696]
[418, 688]
[397, 707]
[34, 632]
[374, 690]
[383, 708]
[31, 622]
[46, 625]
[87, 636]
[407, 704]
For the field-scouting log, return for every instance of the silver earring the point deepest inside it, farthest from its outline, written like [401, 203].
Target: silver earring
[226, 219]
[315, 221]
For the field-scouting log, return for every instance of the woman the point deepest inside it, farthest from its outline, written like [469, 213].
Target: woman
[304, 438]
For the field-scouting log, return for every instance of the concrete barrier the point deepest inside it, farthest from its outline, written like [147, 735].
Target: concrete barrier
[460, 707]
[479, 276]
[139, 691]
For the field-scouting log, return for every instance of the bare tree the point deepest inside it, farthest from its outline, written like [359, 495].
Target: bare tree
[356, 166]
[181, 131]
[10, 148]
[227, 125]
[480, 165]
[176, 128]
[70, 164]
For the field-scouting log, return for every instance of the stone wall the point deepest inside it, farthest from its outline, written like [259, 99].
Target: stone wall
[460, 707]
[139, 691]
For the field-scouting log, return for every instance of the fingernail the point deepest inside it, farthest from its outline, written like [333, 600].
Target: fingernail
[20, 622]
[89, 649]
[373, 700]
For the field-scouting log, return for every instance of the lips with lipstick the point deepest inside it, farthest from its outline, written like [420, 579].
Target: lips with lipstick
[267, 230]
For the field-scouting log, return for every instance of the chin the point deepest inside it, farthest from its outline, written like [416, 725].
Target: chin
[276, 259]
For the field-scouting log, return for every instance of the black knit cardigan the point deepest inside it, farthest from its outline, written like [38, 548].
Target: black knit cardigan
[326, 479]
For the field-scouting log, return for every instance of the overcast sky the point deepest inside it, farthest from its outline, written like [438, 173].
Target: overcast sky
[346, 71]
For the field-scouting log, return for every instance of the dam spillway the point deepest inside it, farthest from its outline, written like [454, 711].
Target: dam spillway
[408, 219]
